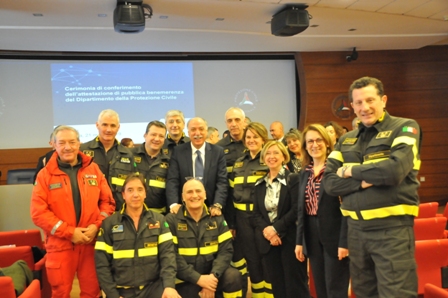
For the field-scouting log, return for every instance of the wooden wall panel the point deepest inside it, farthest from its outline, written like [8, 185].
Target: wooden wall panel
[416, 83]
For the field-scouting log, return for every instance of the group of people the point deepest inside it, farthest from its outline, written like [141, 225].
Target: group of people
[178, 216]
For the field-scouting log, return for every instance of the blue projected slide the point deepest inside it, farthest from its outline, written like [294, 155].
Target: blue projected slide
[139, 92]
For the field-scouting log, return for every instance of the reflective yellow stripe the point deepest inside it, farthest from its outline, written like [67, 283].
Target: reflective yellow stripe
[390, 211]
[243, 271]
[175, 240]
[165, 237]
[231, 184]
[208, 249]
[224, 236]
[236, 294]
[147, 251]
[123, 254]
[267, 285]
[155, 183]
[249, 179]
[188, 251]
[158, 210]
[375, 160]
[258, 286]
[352, 214]
[411, 142]
[178, 281]
[336, 155]
[243, 207]
[100, 245]
[229, 169]
[268, 295]
[239, 263]
[117, 181]
[258, 295]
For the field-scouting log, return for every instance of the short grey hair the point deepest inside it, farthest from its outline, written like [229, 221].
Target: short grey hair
[196, 118]
[234, 109]
[172, 113]
[62, 128]
[108, 113]
[211, 130]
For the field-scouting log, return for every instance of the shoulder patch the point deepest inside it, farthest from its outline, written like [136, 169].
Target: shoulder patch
[226, 151]
[410, 129]
[238, 164]
[117, 229]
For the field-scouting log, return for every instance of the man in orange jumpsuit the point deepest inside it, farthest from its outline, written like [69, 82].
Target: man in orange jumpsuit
[70, 199]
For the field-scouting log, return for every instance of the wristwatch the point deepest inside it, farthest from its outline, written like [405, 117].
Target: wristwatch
[217, 205]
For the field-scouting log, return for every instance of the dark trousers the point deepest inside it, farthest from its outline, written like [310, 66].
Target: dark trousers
[331, 275]
[382, 262]
[154, 290]
[229, 283]
[289, 277]
[245, 235]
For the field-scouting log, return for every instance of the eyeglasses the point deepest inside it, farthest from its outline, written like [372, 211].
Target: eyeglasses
[318, 141]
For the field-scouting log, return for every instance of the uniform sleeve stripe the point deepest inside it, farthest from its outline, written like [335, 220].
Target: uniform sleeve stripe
[224, 236]
[148, 251]
[123, 254]
[336, 155]
[158, 184]
[101, 245]
[104, 214]
[175, 241]
[55, 227]
[231, 184]
[165, 237]
[411, 142]
[117, 181]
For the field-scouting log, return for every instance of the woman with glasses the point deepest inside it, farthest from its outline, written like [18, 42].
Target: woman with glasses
[294, 141]
[246, 171]
[275, 214]
[321, 230]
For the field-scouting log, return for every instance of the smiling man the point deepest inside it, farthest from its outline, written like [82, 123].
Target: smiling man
[69, 201]
[374, 169]
[153, 164]
[203, 246]
[175, 123]
[200, 160]
[134, 253]
[115, 160]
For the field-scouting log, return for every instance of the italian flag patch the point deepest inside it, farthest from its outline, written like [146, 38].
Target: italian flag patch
[409, 129]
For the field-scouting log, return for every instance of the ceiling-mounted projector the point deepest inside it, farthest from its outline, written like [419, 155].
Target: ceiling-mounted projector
[129, 17]
[290, 21]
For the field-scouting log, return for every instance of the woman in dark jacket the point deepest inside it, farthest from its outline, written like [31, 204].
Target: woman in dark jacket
[274, 217]
[321, 230]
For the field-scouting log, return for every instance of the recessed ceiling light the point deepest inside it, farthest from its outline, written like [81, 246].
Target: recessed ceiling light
[219, 19]
[102, 15]
[314, 26]
[38, 15]
[163, 17]
[353, 29]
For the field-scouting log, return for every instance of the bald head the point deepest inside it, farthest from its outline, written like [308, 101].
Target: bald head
[193, 194]
[276, 130]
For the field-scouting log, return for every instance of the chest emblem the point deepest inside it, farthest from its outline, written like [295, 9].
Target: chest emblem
[92, 182]
[211, 226]
[155, 225]
[384, 134]
[125, 160]
[350, 141]
[117, 229]
[164, 165]
[182, 227]
[89, 153]
[55, 185]
[137, 159]
[238, 165]
[226, 151]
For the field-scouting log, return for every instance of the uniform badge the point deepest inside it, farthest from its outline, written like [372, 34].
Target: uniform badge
[384, 134]
[164, 165]
[349, 141]
[121, 176]
[90, 153]
[182, 227]
[55, 185]
[90, 176]
[226, 151]
[155, 225]
[211, 243]
[377, 155]
[161, 179]
[238, 165]
[137, 159]
[211, 226]
[259, 173]
[150, 244]
[117, 229]
[92, 182]
[165, 151]
[125, 160]
[410, 129]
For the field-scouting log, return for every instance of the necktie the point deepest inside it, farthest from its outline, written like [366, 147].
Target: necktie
[198, 165]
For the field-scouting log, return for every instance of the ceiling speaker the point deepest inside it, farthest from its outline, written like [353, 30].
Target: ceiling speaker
[290, 22]
[129, 18]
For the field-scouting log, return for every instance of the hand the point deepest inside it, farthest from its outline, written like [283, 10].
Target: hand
[215, 211]
[365, 184]
[79, 237]
[342, 253]
[175, 208]
[205, 293]
[276, 241]
[233, 232]
[91, 232]
[299, 253]
[209, 282]
[339, 172]
[269, 232]
[170, 293]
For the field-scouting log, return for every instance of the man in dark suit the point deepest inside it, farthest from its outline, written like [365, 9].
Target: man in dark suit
[200, 160]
